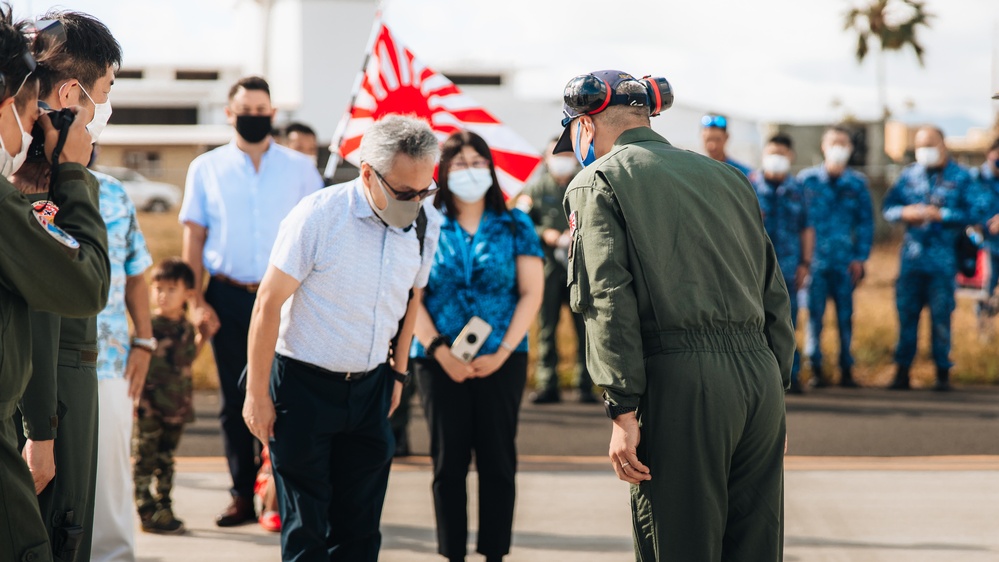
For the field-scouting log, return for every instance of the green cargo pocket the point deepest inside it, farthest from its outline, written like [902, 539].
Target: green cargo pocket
[579, 286]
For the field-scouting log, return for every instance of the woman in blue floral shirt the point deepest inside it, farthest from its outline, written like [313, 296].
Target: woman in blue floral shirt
[488, 264]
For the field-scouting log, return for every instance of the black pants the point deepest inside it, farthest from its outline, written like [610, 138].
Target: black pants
[477, 415]
[234, 307]
[331, 453]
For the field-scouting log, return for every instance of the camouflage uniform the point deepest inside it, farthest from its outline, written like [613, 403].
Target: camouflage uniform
[164, 408]
[785, 217]
[547, 213]
[929, 263]
[840, 209]
[988, 181]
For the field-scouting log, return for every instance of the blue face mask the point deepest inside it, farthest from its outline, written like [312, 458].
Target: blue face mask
[590, 157]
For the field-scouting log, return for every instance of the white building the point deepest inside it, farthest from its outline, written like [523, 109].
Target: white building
[311, 54]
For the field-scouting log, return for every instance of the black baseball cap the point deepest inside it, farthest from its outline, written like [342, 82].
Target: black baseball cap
[589, 94]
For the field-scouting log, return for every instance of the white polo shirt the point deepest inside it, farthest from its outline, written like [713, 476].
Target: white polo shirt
[356, 274]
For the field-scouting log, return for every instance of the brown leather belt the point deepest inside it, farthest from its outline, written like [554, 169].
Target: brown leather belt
[248, 287]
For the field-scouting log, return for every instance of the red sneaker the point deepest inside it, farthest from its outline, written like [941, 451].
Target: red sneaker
[271, 521]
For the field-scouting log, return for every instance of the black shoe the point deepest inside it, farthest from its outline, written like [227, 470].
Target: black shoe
[846, 378]
[586, 397]
[795, 387]
[548, 396]
[943, 380]
[901, 381]
[818, 380]
[239, 512]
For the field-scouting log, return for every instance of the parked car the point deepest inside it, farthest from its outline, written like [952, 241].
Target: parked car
[146, 195]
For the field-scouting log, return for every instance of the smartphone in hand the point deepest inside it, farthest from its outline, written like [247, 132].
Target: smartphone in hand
[470, 340]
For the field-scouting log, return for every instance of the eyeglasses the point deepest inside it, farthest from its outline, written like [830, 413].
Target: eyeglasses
[408, 195]
[714, 121]
[462, 164]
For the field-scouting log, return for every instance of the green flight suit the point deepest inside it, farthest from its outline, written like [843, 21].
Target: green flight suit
[687, 319]
[547, 213]
[60, 403]
[39, 272]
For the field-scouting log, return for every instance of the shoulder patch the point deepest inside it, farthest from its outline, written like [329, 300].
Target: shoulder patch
[45, 212]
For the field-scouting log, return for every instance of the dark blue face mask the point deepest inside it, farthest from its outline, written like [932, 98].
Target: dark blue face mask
[590, 157]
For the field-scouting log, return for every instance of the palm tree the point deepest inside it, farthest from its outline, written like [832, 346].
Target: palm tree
[894, 24]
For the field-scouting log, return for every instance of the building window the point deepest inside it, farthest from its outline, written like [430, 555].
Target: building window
[196, 75]
[155, 116]
[475, 79]
[128, 74]
[146, 162]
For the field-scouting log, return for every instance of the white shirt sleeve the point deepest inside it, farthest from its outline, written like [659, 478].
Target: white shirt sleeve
[434, 221]
[296, 249]
[193, 208]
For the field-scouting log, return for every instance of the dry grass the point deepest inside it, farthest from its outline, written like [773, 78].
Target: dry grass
[875, 326]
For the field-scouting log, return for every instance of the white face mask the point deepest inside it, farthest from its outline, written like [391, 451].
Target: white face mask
[470, 185]
[9, 164]
[562, 166]
[928, 156]
[102, 112]
[776, 164]
[838, 155]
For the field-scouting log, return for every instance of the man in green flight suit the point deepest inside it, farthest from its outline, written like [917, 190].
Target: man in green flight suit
[58, 265]
[688, 326]
[542, 201]
[59, 409]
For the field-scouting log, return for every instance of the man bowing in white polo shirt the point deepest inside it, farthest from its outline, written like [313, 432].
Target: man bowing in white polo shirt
[349, 264]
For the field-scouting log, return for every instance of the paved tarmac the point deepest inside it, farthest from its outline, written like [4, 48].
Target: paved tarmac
[872, 476]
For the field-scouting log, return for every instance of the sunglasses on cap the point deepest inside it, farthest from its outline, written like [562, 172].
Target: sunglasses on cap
[714, 121]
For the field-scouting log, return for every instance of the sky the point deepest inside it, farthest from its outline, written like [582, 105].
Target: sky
[768, 60]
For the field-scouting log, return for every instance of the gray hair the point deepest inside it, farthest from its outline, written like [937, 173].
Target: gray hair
[394, 135]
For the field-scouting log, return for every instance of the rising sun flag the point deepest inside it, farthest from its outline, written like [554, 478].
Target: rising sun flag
[395, 81]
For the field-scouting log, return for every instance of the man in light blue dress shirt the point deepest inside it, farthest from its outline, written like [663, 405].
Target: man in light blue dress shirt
[235, 199]
[340, 298]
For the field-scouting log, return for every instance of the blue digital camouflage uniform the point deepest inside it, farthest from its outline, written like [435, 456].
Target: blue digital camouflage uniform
[988, 182]
[785, 217]
[929, 263]
[746, 170]
[841, 212]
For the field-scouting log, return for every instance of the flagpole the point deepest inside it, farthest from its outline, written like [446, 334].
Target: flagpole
[334, 161]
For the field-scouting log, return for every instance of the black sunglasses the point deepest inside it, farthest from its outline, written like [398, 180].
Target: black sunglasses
[408, 195]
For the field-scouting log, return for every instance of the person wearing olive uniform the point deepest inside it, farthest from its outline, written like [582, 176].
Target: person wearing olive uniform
[56, 264]
[59, 409]
[542, 201]
[688, 326]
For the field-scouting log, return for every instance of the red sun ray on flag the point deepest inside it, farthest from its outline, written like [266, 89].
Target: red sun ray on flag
[395, 81]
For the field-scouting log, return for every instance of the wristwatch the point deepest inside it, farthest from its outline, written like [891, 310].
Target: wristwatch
[614, 410]
[149, 344]
[439, 340]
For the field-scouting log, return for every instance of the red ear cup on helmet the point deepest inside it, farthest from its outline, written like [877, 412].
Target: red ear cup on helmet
[660, 94]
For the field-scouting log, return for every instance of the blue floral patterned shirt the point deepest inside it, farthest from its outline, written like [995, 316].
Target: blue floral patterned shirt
[477, 276]
[129, 256]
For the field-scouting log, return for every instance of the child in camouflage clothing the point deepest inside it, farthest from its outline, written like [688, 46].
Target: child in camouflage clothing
[166, 402]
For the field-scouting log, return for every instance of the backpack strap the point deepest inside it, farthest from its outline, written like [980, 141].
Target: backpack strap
[421, 235]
